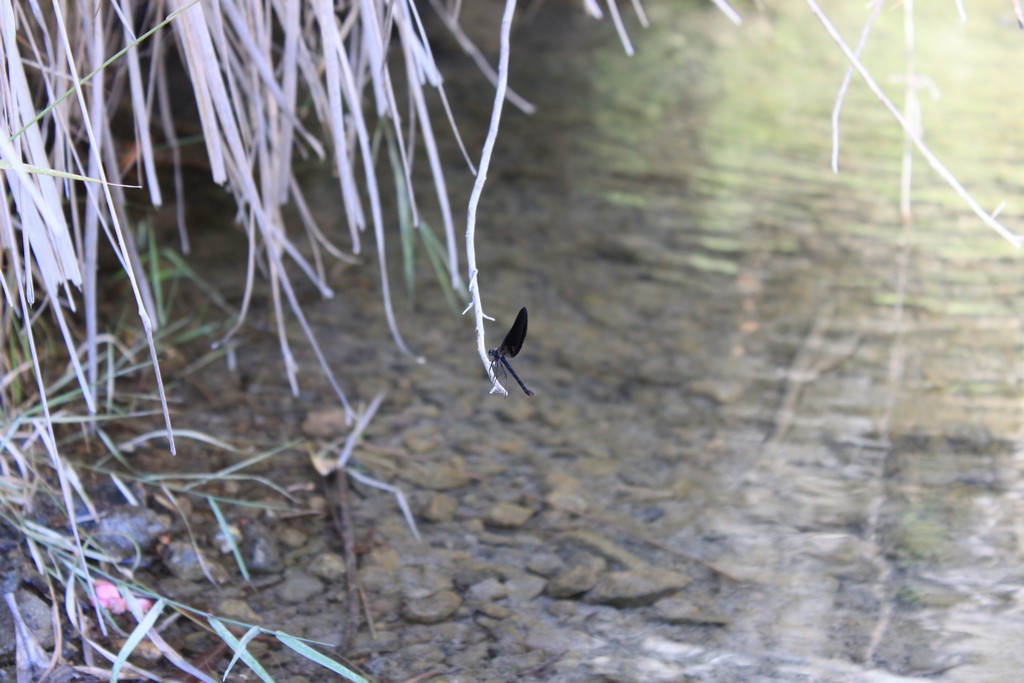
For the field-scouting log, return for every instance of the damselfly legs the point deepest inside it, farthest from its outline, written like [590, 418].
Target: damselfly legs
[509, 348]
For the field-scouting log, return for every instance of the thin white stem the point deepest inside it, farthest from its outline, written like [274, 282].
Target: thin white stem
[147, 324]
[393, 490]
[451, 22]
[933, 161]
[640, 14]
[620, 28]
[478, 188]
[846, 84]
[362, 422]
[728, 11]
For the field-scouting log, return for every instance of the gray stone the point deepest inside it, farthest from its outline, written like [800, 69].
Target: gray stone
[544, 564]
[232, 608]
[437, 476]
[300, 587]
[260, 549]
[325, 424]
[35, 614]
[679, 610]
[182, 560]
[124, 530]
[440, 508]
[525, 588]
[508, 515]
[328, 566]
[488, 590]
[433, 608]
[572, 581]
[292, 537]
[636, 588]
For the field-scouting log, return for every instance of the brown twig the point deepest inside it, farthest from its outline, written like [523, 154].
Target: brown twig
[347, 532]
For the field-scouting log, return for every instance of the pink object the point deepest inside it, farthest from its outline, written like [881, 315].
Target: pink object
[109, 598]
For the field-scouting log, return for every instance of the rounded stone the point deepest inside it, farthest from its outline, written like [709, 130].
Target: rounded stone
[328, 566]
[573, 581]
[440, 508]
[432, 609]
[636, 588]
[300, 587]
[508, 515]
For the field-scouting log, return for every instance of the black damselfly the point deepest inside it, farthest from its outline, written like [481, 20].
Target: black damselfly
[509, 348]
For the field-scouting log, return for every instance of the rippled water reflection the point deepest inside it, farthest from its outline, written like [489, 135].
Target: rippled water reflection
[722, 314]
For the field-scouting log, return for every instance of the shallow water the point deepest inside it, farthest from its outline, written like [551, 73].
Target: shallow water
[731, 381]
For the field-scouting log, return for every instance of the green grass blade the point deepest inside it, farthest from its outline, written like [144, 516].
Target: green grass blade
[239, 648]
[30, 168]
[229, 537]
[314, 656]
[436, 254]
[405, 226]
[135, 637]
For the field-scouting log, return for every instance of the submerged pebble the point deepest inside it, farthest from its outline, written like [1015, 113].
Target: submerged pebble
[636, 588]
[433, 608]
